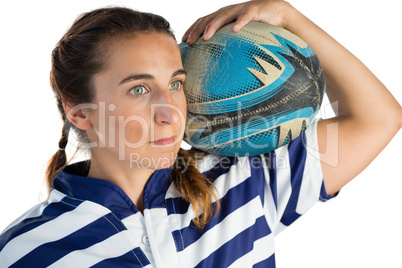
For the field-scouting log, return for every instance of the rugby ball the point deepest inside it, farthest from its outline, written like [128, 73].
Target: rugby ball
[250, 92]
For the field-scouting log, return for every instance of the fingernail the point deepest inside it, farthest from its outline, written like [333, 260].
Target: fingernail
[206, 36]
[189, 39]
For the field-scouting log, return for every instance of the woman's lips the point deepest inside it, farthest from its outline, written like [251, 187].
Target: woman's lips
[164, 141]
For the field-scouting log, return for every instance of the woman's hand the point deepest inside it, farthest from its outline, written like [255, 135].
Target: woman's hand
[268, 11]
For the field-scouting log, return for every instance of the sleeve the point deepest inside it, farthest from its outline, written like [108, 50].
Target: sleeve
[293, 180]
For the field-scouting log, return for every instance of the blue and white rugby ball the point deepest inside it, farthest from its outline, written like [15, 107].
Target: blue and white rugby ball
[250, 92]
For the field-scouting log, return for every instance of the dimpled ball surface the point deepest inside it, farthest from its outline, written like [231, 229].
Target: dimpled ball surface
[250, 92]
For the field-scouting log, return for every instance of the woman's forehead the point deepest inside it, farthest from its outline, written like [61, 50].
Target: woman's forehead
[142, 49]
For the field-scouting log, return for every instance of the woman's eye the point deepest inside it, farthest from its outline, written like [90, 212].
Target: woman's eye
[175, 85]
[138, 90]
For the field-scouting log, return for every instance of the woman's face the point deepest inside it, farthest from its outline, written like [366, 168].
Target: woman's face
[141, 107]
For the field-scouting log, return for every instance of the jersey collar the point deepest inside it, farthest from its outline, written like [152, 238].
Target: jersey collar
[74, 183]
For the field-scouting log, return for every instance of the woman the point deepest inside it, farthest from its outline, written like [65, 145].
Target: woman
[127, 103]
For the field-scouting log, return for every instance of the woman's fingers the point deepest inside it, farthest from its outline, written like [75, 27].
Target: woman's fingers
[249, 13]
[196, 30]
[227, 16]
[209, 24]
[268, 11]
[189, 30]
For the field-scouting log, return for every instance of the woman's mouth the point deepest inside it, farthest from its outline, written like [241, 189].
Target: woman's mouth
[164, 141]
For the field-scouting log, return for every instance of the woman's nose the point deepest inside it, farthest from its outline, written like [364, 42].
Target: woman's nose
[165, 111]
[165, 114]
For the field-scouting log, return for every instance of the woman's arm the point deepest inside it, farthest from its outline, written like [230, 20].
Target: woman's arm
[367, 118]
[367, 115]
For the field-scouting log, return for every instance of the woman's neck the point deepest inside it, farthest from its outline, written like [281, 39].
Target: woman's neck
[130, 179]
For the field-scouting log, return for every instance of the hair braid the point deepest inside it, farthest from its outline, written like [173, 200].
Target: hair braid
[195, 188]
[59, 159]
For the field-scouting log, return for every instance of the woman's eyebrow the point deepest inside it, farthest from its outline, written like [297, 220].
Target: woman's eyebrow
[136, 77]
[148, 76]
[179, 72]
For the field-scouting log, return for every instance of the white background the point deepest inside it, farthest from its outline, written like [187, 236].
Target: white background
[360, 228]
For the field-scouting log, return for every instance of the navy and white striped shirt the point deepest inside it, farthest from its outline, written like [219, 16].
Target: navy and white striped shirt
[88, 222]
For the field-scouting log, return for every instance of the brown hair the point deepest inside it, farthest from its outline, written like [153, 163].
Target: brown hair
[78, 56]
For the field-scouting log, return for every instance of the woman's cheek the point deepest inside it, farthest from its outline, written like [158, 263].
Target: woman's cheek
[134, 131]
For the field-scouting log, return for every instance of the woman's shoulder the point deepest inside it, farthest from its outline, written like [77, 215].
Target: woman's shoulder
[48, 227]
[26, 231]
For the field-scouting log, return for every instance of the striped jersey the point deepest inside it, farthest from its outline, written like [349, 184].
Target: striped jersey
[88, 222]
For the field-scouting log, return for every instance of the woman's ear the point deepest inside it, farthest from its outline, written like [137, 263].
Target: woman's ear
[77, 116]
